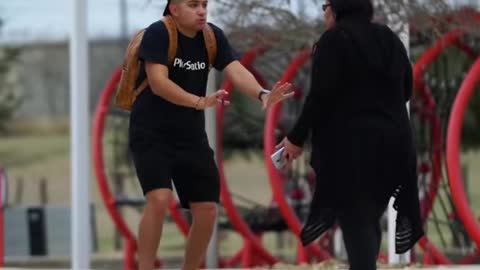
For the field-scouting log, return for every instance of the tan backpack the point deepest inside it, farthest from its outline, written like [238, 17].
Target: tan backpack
[126, 92]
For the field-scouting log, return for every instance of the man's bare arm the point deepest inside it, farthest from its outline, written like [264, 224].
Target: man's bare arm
[162, 86]
[243, 79]
[246, 82]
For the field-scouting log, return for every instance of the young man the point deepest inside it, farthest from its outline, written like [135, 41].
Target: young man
[167, 127]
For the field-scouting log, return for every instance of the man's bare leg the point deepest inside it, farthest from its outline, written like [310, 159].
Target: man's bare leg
[150, 229]
[204, 218]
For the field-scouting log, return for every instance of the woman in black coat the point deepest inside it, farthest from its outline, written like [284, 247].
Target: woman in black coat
[362, 147]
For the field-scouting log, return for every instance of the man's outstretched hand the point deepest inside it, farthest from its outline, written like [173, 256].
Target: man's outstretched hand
[279, 92]
[213, 99]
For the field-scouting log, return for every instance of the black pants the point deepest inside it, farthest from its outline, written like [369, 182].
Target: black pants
[362, 234]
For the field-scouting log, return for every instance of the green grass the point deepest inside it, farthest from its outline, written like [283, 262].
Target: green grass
[25, 152]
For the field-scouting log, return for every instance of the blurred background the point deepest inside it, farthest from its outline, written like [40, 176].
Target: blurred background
[273, 39]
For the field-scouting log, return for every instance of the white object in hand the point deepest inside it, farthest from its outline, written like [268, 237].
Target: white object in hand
[278, 161]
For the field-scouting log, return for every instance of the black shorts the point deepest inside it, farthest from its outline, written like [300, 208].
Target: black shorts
[160, 159]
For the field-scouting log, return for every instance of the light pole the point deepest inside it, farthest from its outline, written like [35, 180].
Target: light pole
[79, 137]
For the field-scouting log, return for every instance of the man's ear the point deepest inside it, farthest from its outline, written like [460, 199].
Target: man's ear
[174, 9]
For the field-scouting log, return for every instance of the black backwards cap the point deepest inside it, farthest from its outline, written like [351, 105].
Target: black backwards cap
[167, 9]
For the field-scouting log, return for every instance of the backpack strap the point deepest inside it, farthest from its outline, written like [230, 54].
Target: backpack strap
[210, 44]
[172, 49]
[172, 38]
[138, 39]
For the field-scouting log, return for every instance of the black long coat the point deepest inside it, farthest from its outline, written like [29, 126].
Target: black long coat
[361, 135]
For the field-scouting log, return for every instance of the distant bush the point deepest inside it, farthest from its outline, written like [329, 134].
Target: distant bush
[10, 97]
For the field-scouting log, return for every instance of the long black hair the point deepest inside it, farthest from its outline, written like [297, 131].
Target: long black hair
[359, 9]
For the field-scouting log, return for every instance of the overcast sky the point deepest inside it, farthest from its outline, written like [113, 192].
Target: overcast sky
[44, 20]
[49, 20]
[28, 21]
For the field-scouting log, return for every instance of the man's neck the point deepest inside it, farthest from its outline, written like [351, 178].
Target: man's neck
[191, 33]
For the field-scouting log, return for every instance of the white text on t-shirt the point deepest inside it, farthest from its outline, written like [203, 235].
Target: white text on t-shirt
[189, 65]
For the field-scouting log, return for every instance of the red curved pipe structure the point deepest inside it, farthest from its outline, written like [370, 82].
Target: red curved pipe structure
[99, 169]
[429, 106]
[107, 197]
[178, 218]
[275, 178]
[463, 16]
[253, 249]
[428, 113]
[427, 59]
[432, 54]
[454, 134]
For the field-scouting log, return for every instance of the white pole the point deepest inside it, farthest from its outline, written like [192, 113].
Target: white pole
[124, 20]
[79, 132]
[211, 128]
[393, 258]
[402, 29]
[339, 250]
[211, 260]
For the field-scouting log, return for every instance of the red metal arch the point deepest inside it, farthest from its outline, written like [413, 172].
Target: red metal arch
[108, 199]
[251, 243]
[97, 154]
[453, 152]
[427, 59]
[99, 170]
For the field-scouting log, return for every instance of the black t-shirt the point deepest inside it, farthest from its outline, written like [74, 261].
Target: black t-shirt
[189, 71]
